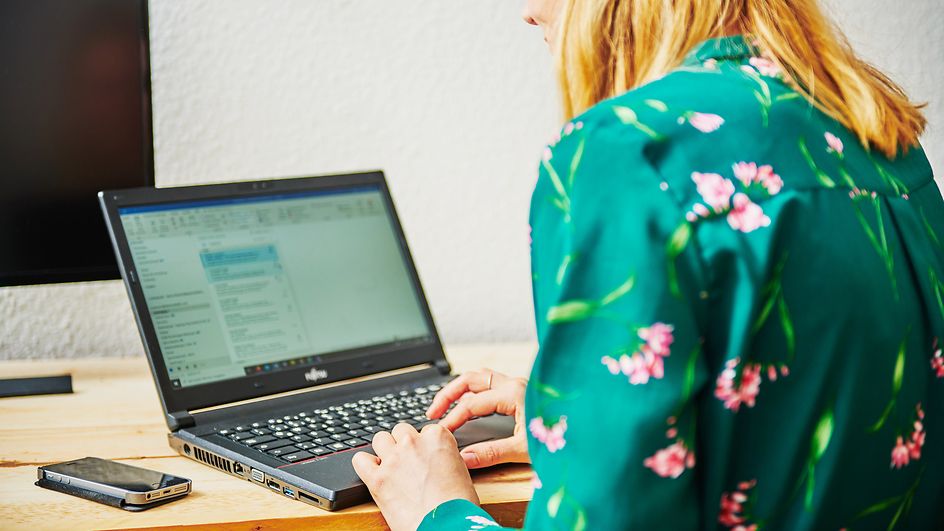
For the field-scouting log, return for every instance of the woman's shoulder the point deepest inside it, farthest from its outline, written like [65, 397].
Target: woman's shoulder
[724, 100]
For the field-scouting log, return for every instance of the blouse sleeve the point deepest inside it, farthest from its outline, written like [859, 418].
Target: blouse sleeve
[617, 283]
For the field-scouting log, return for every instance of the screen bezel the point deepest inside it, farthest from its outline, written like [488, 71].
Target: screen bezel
[57, 275]
[350, 363]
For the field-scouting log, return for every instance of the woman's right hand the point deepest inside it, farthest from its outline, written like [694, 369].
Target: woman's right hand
[481, 393]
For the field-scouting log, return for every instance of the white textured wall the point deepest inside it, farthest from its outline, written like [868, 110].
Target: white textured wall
[453, 99]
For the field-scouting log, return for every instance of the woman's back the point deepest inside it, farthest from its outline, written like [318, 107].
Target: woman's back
[738, 308]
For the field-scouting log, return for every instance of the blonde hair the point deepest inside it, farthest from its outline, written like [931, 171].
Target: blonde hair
[607, 47]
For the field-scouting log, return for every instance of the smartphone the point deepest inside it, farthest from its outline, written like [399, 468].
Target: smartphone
[136, 486]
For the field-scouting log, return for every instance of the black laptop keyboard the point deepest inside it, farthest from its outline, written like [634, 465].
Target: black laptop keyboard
[319, 432]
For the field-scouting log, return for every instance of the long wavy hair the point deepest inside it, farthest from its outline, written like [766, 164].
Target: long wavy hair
[607, 47]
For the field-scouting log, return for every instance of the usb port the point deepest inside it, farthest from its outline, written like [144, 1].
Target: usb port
[288, 492]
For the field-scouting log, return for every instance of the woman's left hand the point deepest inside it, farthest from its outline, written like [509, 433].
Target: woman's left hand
[413, 472]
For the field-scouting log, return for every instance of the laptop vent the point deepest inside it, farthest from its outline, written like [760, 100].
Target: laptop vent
[213, 460]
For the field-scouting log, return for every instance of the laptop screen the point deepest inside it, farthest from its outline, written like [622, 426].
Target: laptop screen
[242, 286]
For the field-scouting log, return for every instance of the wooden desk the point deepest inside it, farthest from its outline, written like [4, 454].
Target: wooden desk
[115, 414]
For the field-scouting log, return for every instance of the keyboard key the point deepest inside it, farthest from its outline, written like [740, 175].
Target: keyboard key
[337, 446]
[261, 431]
[297, 456]
[301, 438]
[259, 424]
[282, 450]
[357, 433]
[355, 443]
[241, 436]
[322, 441]
[305, 445]
[258, 440]
[225, 432]
[272, 445]
[340, 436]
[282, 434]
[373, 429]
[241, 428]
[321, 450]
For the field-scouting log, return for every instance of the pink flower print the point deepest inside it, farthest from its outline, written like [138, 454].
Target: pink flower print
[750, 384]
[749, 173]
[536, 482]
[916, 442]
[732, 507]
[641, 367]
[746, 216]
[566, 131]
[698, 211]
[611, 365]
[834, 143]
[715, 190]
[769, 180]
[647, 362]
[900, 454]
[745, 172]
[658, 338]
[746, 392]
[765, 66]
[937, 364]
[670, 462]
[705, 122]
[772, 373]
[907, 450]
[552, 437]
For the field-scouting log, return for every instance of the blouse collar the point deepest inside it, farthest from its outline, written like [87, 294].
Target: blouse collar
[722, 48]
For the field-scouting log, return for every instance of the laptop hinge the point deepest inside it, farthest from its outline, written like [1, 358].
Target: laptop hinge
[443, 366]
[180, 419]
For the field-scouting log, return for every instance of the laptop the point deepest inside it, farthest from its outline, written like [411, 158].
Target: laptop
[284, 323]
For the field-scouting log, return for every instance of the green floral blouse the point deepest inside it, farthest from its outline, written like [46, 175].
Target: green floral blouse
[738, 309]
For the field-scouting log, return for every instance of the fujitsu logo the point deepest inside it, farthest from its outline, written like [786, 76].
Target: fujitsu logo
[316, 374]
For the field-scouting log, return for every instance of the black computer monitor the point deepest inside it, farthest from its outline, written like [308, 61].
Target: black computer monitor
[75, 118]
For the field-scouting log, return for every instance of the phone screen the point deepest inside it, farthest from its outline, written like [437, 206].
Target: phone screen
[115, 474]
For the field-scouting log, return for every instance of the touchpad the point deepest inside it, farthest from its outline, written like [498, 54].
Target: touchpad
[485, 429]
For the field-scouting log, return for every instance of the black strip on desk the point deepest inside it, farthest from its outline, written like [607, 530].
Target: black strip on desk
[47, 385]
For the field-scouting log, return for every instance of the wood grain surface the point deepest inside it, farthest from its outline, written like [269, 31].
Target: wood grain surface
[114, 413]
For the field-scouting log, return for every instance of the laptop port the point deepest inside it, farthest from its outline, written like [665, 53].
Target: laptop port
[258, 475]
[288, 492]
[309, 498]
[238, 468]
[274, 486]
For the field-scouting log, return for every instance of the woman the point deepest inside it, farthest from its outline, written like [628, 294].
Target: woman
[738, 282]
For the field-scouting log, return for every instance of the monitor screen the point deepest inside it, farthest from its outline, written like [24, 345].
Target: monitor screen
[242, 286]
[74, 119]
